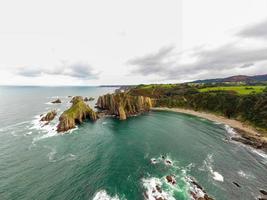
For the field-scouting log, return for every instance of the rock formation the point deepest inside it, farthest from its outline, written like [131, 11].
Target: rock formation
[56, 101]
[49, 116]
[197, 192]
[89, 99]
[76, 114]
[255, 141]
[124, 105]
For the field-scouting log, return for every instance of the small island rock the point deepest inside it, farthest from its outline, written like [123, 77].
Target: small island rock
[76, 114]
[49, 116]
[56, 101]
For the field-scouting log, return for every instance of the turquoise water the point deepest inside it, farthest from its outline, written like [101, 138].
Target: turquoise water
[111, 159]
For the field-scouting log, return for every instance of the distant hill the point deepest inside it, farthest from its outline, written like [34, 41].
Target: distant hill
[238, 78]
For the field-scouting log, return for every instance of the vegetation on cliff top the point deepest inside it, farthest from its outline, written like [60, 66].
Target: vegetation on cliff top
[251, 108]
[76, 114]
[242, 90]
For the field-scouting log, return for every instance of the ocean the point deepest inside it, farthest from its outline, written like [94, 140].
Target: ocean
[113, 159]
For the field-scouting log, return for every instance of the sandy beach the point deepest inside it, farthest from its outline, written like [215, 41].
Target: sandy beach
[239, 126]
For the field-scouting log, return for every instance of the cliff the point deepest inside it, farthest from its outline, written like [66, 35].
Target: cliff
[76, 114]
[124, 105]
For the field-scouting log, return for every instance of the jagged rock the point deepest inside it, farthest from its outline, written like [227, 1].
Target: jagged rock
[76, 114]
[158, 188]
[89, 99]
[124, 105]
[171, 179]
[56, 101]
[236, 184]
[49, 116]
[197, 191]
[251, 141]
[263, 192]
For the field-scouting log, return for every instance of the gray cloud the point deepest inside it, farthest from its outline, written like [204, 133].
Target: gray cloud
[255, 31]
[81, 70]
[153, 63]
[222, 61]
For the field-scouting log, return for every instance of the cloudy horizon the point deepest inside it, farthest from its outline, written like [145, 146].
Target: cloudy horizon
[130, 42]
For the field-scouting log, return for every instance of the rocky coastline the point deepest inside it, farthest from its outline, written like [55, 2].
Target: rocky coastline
[123, 105]
[245, 134]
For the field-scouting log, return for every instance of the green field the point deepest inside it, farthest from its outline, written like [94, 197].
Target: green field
[242, 90]
[165, 86]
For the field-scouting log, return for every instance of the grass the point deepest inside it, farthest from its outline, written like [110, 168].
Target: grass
[242, 90]
[156, 86]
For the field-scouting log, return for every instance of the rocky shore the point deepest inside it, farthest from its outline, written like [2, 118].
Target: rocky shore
[124, 105]
[76, 114]
[247, 134]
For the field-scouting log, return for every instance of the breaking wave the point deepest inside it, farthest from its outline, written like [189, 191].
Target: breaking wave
[102, 195]
[208, 165]
[230, 130]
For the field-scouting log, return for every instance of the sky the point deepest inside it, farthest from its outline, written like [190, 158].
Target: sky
[97, 42]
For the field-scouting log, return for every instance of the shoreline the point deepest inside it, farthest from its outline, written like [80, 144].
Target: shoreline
[249, 135]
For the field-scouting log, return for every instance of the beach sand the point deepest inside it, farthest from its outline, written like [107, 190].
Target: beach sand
[243, 129]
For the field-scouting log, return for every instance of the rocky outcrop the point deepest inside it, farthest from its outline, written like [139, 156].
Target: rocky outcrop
[124, 105]
[89, 99]
[197, 192]
[171, 179]
[49, 116]
[56, 101]
[76, 114]
[255, 141]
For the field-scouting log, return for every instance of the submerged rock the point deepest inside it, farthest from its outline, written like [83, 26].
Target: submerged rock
[89, 99]
[236, 184]
[263, 192]
[49, 116]
[124, 105]
[56, 101]
[171, 179]
[76, 114]
[197, 192]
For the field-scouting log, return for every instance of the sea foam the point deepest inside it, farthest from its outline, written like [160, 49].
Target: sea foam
[153, 192]
[208, 165]
[230, 130]
[102, 195]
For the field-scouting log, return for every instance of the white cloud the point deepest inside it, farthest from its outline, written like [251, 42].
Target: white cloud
[35, 36]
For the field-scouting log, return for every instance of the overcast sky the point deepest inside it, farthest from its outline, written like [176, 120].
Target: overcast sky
[94, 42]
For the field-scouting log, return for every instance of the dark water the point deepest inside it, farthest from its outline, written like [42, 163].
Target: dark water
[111, 159]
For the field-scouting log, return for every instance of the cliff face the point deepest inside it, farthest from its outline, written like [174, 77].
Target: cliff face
[77, 113]
[124, 105]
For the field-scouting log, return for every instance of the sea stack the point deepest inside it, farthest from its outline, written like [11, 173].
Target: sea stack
[76, 114]
[56, 101]
[123, 104]
[49, 116]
